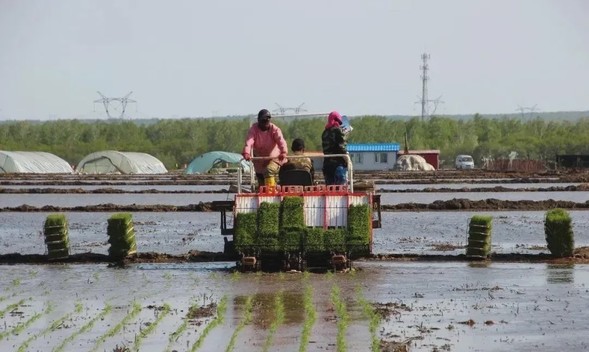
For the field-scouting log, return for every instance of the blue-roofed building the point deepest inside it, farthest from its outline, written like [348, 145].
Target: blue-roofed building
[373, 156]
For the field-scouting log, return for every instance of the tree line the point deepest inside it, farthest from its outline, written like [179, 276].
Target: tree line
[176, 142]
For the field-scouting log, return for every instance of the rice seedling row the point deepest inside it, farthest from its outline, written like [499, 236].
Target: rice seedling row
[373, 320]
[245, 320]
[277, 321]
[161, 313]
[54, 326]
[310, 318]
[17, 329]
[84, 328]
[219, 318]
[115, 329]
[342, 317]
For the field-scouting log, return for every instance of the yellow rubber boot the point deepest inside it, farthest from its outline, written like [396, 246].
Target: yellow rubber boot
[270, 183]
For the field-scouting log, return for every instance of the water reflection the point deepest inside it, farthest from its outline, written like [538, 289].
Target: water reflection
[479, 264]
[560, 273]
[264, 311]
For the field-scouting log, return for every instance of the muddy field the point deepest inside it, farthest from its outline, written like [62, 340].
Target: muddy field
[417, 292]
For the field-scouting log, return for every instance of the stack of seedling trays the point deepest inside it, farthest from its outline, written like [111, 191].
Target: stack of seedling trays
[268, 228]
[559, 233]
[56, 236]
[292, 224]
[244, 238]
[359, 229]
[335, 240]
[121, 236]
[479, 237]
[313, 242]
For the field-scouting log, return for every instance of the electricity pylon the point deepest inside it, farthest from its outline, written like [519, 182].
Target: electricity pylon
[120, 104]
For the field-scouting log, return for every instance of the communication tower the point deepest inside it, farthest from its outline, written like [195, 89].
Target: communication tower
[424, 101]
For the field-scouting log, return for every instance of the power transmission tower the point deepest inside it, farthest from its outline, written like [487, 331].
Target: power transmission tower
[530, 109]
[116, 104]
[282, 110]
[424, 101]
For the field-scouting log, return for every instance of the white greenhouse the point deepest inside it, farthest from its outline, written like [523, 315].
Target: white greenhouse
[33, 162]
[115, 162]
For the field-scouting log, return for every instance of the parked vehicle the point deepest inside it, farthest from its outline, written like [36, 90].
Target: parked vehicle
[464, 162]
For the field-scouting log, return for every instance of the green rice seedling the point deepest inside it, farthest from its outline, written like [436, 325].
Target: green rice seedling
[56, 236]
[115, 329]
[335, 240]
[219, 318]
[267, 238]
[359, 229]
[235, 275]
[86, 327]
[359, 223]
[246, 319]
[479, 236]
[278, 320]
[181, 329]
[559, 233]
[245, 232]
[11, 307]
[54, 326]
[292, 213]
[121, 236]
[185, 321]
[310, 318]
[313, 240]
[343, 317]
[291, 238]
[268, 220]
[22, 326]
[373, 319]
[165, 310]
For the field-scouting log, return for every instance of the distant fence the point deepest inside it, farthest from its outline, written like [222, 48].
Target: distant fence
[515, 165]
[572, 161]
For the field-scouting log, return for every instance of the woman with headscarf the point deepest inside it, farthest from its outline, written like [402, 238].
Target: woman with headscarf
[265, 139]
[333, 141]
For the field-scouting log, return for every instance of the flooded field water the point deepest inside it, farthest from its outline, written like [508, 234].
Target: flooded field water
[422, 306]
[427, 306]
[180, 232]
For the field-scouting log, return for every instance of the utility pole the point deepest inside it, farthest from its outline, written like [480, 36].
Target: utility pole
[424, 101]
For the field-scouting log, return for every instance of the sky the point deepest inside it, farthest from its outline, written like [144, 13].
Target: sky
[185, 58]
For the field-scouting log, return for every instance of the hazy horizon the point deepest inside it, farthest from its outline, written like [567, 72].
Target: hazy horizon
[232, 58]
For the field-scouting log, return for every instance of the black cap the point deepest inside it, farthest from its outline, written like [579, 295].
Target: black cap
[264, 114]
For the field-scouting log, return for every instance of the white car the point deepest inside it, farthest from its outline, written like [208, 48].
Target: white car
[464, 162]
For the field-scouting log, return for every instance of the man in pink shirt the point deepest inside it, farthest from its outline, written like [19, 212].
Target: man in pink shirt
[265, 139]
